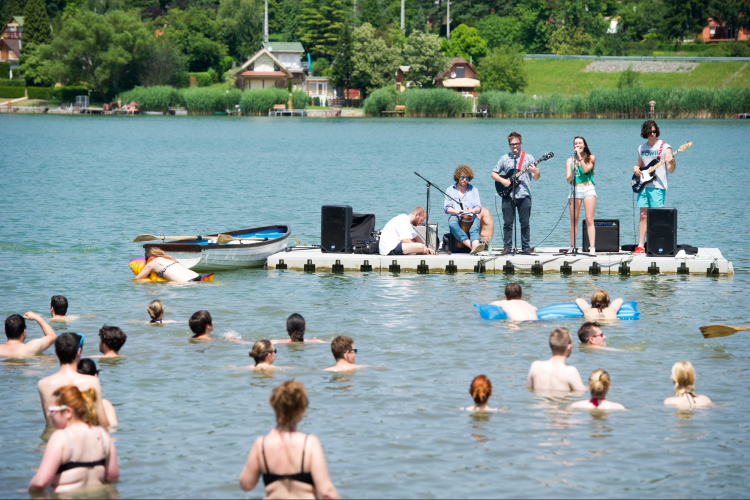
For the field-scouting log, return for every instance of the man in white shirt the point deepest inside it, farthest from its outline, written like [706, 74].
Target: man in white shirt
[399, 238]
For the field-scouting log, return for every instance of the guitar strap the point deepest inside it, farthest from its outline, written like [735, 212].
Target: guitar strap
[521, 158]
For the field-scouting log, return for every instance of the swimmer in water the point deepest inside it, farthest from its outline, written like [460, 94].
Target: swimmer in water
[87, 366]
[201, 325]
[295, 327]
[166, 267]
[345, 355]
[480, 390]
[591, 334]
[554, 374]
[600, 308]
[58, 309]
[111, 340]
[599, 386]
[515, 308]
[683, 377]
[156, 312]
[15, 331]
[264, 354]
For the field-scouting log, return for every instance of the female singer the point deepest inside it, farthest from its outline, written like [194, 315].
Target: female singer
[581, 168]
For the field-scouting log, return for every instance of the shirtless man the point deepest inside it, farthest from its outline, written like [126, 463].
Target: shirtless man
[58, 309]
[201, 325]
[15, 330]
[515, 308]
[554, 374]
[295, 328]
[167, 267]
[111, 340]
[344, 353]
[68, 348]
[591, 334]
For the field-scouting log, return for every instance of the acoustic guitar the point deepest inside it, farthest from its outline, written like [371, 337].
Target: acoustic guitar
[506, 191]
[647, 171]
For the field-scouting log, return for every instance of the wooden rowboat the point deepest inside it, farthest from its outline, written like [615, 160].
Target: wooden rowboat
[205, 254]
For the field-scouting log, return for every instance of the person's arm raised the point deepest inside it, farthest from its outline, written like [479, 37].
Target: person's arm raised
[616, 305]
[51, 461]
[251, 472]
[42, 344]
[319, 470]
[583, 305]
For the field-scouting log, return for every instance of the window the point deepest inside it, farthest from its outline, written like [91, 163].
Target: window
[460, 71]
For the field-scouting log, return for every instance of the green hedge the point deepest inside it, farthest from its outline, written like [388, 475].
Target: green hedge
[434, 102]
[205, 79]
[157, 98]
[380, 100]
[198, 101]
[5, 70]
[66, 94]
[12, 92]
[39, 93]
[17, 82]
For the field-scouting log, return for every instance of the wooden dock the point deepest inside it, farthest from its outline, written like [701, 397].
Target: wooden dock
[708, 262]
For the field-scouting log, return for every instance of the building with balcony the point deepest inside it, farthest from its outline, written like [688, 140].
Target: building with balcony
[262, 71]
[10, 41]
[290, 54]
[459, 76]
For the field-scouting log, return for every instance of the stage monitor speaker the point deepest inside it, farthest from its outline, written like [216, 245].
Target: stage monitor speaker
[433, 234]
[607, 235]
[661, 232]
[335, 222]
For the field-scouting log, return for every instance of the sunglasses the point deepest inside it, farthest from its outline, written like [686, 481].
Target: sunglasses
[654, 132]
[600, 335]
[465, 178]
[56, 408]
[355, 350]
[513, 144]
[274, 351]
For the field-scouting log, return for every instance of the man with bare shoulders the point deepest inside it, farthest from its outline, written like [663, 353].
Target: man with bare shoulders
[554, 374]
[515, 308]
[591, 334]
[58, 309]
[345, 354]
[15, 330]
[68, 347]
[295, 327]
[201, 324]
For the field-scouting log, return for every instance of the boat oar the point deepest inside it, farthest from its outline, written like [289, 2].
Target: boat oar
[225, 238]
[151, 237]
[713, 331]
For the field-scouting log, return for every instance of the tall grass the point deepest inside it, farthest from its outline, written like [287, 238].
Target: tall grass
[157, 98]
[208, 100]
[258, 102]
[434, 102]
[378, 101]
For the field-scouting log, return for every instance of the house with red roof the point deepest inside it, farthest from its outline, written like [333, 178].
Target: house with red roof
[459, 76]
[720, 32]
[262, 71]
[10, 41]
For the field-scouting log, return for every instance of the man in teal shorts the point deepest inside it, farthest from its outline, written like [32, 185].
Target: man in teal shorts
[653, 194]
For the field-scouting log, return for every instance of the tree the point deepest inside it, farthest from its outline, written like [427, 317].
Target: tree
[534, 16]
[197, 34]
[36, 30]
[629, 78]
[342, 68]
[106, 51]
[684, 18]
[500, 31]
[373, 12]
[242, 26]
[374, 62]
[290, 26]
[637, 19]
[570, 41]
[465, 42]
[425, 59]
[15, 8]
[165, 65]
[735, 13]
[503, 69]
[320, 24]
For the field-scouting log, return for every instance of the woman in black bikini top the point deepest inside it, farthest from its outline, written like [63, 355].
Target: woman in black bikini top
[75, 418]
[289, 400]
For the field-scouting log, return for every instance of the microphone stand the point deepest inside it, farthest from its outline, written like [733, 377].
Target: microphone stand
[427, 219]
[513, 204]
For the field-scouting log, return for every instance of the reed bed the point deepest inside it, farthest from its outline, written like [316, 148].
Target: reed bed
[200, 101]
[156, 98]
[438, 103]
[378, 101]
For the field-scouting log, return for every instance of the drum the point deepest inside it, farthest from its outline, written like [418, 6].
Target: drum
[465, 224]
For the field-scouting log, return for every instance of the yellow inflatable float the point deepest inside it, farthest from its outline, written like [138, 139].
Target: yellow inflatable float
[136, 265]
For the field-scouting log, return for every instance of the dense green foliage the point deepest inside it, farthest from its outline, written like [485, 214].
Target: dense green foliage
[258, 102]
[503, 69]
[4, 82]
[628, 79]
[66, 94]
[380, 100]
[157, 98]
[36, 29]
[465, 42]
[425, 59]
[433, 102]
[12, 92]
[5, 70]
[38, 93]
[374, 62]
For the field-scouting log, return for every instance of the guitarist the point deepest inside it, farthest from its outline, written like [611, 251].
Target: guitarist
[520, 198]
[653, 194]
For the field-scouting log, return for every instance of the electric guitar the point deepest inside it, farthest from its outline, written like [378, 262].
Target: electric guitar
[506, 191]
[647, 171]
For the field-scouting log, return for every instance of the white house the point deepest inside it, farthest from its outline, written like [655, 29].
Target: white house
[262, 71]
[290, 54]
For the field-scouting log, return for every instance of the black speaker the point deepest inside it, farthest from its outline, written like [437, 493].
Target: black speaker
[335, 222]
[607, 235]
[453, 245]
[661, 232]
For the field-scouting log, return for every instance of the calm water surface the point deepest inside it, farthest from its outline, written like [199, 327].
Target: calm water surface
[76, 190]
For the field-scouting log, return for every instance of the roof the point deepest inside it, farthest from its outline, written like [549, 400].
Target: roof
[256, 56]
[461, 82]
[13, 44]
[264, 73]
[18, 19]
[284, 46]
[317, 78]
[456, 60]
[404, 69]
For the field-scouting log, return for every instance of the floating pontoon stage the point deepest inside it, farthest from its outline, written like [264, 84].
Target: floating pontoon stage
[708, 261]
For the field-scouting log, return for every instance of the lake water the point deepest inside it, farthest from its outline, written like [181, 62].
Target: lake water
[76, 190]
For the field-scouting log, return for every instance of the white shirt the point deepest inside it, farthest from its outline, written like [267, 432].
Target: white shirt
[648, 154]
[398, 229]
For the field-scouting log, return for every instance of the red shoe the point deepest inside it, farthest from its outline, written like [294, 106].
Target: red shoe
[639, 250]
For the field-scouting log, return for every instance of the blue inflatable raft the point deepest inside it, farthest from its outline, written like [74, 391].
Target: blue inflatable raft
[628, 311]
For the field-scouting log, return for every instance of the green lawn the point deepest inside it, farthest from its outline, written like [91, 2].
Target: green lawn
[568, 77]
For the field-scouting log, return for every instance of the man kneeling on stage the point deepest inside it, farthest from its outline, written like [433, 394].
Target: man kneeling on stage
[399, 238]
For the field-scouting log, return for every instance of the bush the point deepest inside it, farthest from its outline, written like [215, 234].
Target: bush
[5, 70]
[299, 99]
[316, 101]
[629, 78]
[39, 93]
[380, 100]
[434, 102]
[205, 79]
[12, 92]
[259, 101]
[4, 82]
[156, 98]
[206, 101]
[66, 94]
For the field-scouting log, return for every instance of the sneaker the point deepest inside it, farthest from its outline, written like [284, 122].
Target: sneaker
[479, 248]
[639, 250]
[571, 250]
[592, 250]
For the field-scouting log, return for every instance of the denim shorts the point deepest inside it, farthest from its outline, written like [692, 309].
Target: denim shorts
[651, 198]
[583, 192]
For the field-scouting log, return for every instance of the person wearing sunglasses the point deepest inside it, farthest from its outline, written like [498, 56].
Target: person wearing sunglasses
[15, 331]
[80, 452]
[520, 199]
[345, 354]
[264, 354]
[654, 192]
[463, 218]
[591, 334]
[68, 348]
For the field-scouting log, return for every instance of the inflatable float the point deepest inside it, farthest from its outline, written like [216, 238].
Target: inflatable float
[136, 265]
[628, 311]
